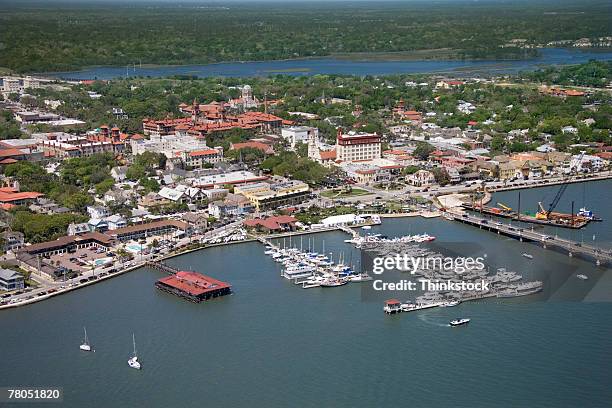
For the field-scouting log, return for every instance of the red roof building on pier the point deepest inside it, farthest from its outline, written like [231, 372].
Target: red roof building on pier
[194, 286]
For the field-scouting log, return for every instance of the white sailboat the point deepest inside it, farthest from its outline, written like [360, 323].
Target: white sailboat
[133, 362]
[85, 346]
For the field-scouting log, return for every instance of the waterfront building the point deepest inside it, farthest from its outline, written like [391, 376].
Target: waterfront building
[272, 224]
[11, 280]
[266, 196]
[231, 205]
[193, 286]
[139, 231]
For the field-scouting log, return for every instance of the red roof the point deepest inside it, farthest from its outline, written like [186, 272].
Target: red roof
[26, 195]
[11, 152]
[7, 206]
[328, 154]
[271, 223]
[393, 302]
[472, 123]
[194, 283]
[266, 148]
[8, 161]
[207, 152]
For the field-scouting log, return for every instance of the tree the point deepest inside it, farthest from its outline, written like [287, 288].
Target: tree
[423, 150]
[441, 175]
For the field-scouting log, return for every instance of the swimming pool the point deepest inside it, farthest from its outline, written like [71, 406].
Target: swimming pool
[135, 248]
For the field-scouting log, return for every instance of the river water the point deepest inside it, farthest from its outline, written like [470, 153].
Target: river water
[274, 344]
[549, 56]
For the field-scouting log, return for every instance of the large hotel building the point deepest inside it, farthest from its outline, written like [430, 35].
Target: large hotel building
[352, 147]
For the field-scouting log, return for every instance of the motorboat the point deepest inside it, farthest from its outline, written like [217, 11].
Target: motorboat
[133, 361]
[458, 322]
[528, 256]
[583, 277]
[452, 303]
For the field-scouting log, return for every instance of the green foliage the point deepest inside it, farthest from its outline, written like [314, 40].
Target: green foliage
[91, 34]
[594, 73]
[423, 150]
[9, 128]
[441, 175]
[289, 164]
[43, 227]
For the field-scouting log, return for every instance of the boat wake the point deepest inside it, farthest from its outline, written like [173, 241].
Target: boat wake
[424, 318]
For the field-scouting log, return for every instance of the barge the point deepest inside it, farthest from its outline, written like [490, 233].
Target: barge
[193, 286]
[560, 220]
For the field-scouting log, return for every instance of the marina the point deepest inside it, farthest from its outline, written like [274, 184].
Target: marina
[172, 332]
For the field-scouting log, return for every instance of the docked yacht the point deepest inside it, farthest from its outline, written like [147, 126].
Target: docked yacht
[458, 322]
[333, 282]
[361, 277]
[451, 303]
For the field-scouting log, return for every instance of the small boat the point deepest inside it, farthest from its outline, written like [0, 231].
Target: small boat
[366, 227]
[450, 304]
[583, 277]
[362, 277]
[331, 283]
[458, 322]
[133, 361]
[85, 346]
[528, 256]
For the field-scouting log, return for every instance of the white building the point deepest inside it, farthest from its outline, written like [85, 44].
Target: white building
[299, 134]
[421, 178]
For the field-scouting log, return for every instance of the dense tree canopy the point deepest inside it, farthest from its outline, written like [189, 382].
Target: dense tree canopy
[41, 37]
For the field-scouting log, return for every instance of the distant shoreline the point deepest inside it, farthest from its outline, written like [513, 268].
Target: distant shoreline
[442, 54]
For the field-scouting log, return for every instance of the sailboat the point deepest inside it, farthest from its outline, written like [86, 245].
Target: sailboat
[133, 361]
[85, 346]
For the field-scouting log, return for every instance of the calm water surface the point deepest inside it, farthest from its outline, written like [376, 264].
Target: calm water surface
[274, 344]
[549, 56]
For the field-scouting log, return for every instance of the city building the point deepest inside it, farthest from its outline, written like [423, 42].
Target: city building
[266, 196]
[357, 146]
[11, 280]
[298, 134]
[421, 178]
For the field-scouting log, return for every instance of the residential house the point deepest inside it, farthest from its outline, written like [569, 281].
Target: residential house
[96, 211]
[119, 173]
[197, 221]
[231, 205]
[12, 240]
[115, 221]
[11, 280]
[76, 229]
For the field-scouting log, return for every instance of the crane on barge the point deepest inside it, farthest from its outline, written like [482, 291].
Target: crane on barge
[549, 214]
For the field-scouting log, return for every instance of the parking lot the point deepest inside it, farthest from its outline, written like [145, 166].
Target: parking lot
[78, 261]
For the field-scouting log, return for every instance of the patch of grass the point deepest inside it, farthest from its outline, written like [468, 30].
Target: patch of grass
[340, 193]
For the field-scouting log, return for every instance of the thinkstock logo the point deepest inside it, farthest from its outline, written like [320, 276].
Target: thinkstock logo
[448, 272]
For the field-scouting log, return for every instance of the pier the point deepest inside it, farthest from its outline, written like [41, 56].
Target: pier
[569, 247]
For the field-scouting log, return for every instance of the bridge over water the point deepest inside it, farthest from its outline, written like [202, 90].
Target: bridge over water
[571, 248]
